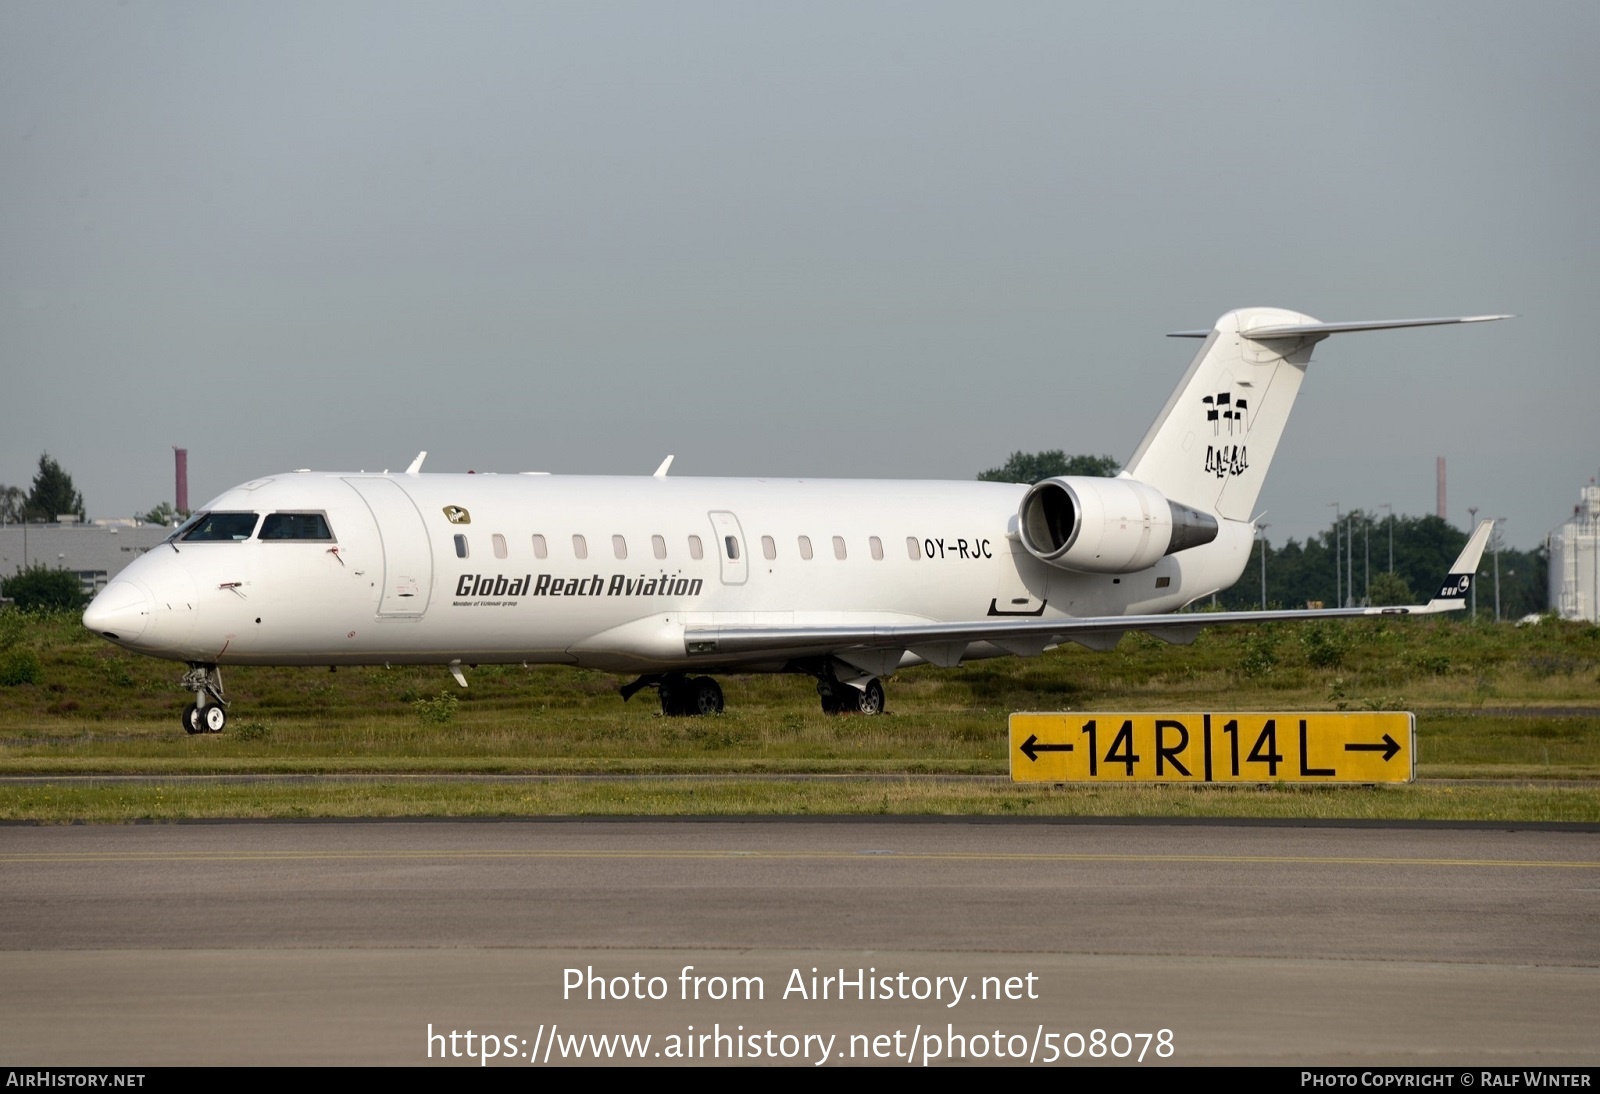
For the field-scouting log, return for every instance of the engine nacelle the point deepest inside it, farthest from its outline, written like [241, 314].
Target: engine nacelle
[1107, 526]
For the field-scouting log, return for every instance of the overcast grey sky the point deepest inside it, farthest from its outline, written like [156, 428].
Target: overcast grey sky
[820, 239]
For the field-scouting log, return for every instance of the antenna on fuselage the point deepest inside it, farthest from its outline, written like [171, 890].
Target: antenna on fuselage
[416, 464]
[661, 472]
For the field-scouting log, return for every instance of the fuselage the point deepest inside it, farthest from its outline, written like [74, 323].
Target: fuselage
[308, 568]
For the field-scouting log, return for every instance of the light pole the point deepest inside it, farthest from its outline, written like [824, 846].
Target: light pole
[1338, 599]
[1390, 522]
[1496, 542]
[1349, 560]
[1472, 514]
[1261, 530]
[1366, 556]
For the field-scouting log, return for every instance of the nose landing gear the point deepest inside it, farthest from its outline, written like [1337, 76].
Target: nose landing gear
[208, 713]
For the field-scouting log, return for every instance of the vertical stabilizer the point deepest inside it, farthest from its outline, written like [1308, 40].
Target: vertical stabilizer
[1213, 441]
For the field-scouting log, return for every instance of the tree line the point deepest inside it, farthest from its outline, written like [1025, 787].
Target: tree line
[51, 496]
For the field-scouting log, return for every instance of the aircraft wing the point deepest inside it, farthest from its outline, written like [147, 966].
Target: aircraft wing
[878, 647]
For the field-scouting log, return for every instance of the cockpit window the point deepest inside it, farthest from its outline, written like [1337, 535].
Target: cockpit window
[183, 529]
[220, 528]
[301, 526]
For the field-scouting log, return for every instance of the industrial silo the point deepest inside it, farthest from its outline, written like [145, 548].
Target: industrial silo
[1575, 560]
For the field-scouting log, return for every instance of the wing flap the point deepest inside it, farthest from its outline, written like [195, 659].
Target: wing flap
[946, 655]
[874, 662]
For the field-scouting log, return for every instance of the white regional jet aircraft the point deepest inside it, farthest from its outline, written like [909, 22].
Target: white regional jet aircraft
[675, 579]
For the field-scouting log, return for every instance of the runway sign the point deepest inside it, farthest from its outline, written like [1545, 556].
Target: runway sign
[1217, 747]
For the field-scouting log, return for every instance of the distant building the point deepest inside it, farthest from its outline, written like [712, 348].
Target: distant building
[96, 551]
[1575, 560]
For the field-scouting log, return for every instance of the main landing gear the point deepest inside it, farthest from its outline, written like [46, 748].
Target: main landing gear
[841, 698]
[692, 696]
[681, 695]
[208, 713]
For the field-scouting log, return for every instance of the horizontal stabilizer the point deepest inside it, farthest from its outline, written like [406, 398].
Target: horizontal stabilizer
[1302, 330]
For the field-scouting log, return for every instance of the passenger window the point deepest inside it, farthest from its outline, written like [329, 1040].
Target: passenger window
[539, 548]
[913, 548]
[731, 545]
[461, 545]
[769, 549]
[838, 548]
[291, 526]
[222, 528]
[658, 546]
[805, 548]
[696, 551]
[499, 542]
[619, 546]
[877, 548]
[580, 547]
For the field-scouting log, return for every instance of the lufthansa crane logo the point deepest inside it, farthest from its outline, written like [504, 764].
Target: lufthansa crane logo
[457, 515]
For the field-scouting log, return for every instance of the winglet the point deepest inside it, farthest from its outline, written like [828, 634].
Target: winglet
[661, 472]
[1452, 594]
[416, 464]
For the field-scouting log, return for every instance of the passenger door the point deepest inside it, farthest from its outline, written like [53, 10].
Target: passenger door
[407, 554]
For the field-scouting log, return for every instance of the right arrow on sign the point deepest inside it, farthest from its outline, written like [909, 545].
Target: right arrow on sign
[1388, 748]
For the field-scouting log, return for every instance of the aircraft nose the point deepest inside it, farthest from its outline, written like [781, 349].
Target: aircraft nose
[120, 612]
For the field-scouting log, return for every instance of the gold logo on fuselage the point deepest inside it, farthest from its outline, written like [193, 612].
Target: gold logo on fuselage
[457, 515]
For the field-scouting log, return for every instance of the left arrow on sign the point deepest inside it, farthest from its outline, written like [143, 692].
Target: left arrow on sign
[1031, 747]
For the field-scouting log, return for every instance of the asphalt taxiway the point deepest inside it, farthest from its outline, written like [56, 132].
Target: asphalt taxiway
[349, 942]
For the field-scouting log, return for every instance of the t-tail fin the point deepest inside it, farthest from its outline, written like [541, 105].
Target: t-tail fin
[1454, 590]
[1212, 443]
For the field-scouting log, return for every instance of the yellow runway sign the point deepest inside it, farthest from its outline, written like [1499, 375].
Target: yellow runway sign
[1217, 747]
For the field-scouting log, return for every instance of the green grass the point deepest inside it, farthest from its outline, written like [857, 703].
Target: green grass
[737, 797]
[1492, 703]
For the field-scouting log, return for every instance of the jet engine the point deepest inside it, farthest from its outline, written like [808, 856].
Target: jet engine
[1107, 526]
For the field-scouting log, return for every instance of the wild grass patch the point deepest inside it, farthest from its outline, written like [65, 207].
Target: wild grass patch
[1492, 701]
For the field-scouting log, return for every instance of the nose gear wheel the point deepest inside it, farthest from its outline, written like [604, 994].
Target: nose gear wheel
[208, 713]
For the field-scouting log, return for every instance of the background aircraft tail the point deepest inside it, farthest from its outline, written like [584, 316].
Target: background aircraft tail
[1212, 443]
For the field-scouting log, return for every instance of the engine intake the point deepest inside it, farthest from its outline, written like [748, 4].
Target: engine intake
[1107, 526]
